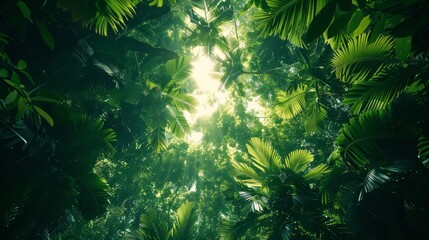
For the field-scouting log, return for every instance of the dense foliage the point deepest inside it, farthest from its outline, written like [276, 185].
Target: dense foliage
[315, 123]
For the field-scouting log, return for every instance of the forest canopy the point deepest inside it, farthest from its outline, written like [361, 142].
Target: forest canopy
[214, 119]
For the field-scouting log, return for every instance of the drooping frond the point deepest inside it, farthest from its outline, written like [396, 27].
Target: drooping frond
[298, 160]
[359, 60]
[378, 92]
[381, 175]
[184, 224]
[288, 19]
[264, 156]
[290, 104]
[363, 140]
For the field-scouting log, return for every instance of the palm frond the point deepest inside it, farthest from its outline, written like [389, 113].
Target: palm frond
[381, 175]
[182, 101]
[378, 92]
[265, 157]
[367, 139]
[246, 172]
[254, 202]
[153, 226]
[316, 115]
[233, 230]
[177, 123]
[298, 160]
[178, 69]
[288, 19]
[113, 14]
[290, 104]
[359, 60]
[157, 139]
[184, 224]
[93, 193]
[89, 135]
[317, 172]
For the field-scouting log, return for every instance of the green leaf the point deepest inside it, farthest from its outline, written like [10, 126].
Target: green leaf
[362, 26]
[3, 73]
[21, 108]
[355, 20]
[44, 115]
[46, 35]
[403, 47]
[45, 99]
[321, 21]
[15, 78]
[21, 65]
[24, 10]
[11, 97]
[339, 24]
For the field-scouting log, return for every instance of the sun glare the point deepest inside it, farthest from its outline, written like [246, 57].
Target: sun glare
[208, 93]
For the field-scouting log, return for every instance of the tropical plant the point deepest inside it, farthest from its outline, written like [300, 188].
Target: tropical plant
[264, 185]
[155, 226]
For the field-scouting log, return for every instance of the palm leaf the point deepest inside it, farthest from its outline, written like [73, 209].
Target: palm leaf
[378, 92]
[290, 104]
[184, 224]
[246, 174]
[359, 60]
[380, 175]
[177, 123]
[89, 135]
[157, 139]
[182, 101]
[298, 160]
[264, 156]
[254, 201]
[288, 19]
[316, 115]
[153, 226]
[178, 69]
[361, 140]
[317, 172]
[94, 194]
[233, 230]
